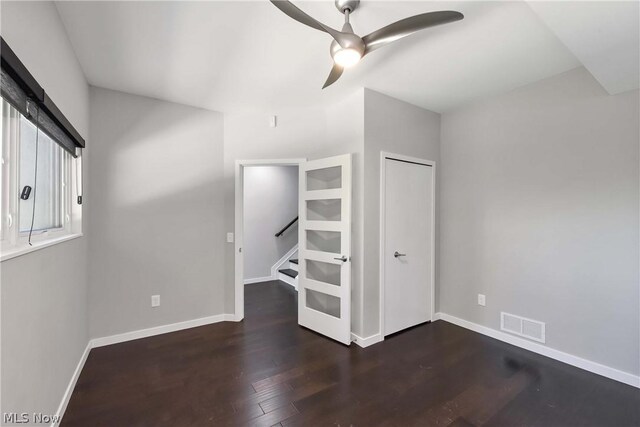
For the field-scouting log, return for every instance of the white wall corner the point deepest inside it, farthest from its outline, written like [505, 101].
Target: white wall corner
[368, 341]
[231, 318]
[72, 384]
[578, 362]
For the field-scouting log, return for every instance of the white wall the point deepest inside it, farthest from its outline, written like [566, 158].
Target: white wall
[539, 211]
[301, 133]
[270, 203]
[398, 127]
[44, 323]
[157, 213]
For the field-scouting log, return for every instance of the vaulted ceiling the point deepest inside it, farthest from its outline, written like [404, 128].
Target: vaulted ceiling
[247, 55]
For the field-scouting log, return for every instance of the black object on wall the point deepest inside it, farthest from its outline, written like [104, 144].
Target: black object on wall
[23, 91]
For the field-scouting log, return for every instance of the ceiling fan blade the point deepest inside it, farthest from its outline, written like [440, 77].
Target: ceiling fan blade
[408, 26]
[334, 75]
[294, 12]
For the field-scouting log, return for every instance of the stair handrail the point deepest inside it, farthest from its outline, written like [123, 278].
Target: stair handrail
[286, 227]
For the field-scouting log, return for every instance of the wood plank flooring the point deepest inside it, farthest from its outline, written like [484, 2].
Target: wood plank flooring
[268, 371]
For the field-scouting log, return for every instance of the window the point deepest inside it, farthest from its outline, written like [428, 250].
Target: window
[31, 159]
[49, 191]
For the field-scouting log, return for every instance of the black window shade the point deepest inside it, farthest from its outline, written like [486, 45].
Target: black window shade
[21, 90]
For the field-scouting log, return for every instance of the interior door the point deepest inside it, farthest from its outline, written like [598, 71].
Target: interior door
[324, 247]
[408, 243]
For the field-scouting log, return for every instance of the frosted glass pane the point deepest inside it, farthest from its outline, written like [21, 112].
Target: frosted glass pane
[47, 192]
[323, 241]
[323, 303]
[324, 210]
[324, 179]
[323, 272]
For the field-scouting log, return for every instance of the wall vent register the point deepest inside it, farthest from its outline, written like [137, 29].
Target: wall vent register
[521, 326]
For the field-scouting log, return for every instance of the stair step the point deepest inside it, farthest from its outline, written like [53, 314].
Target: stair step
[289, 272]
[295, 261]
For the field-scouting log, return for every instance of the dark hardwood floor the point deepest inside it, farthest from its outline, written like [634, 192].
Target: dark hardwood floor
[268, 371]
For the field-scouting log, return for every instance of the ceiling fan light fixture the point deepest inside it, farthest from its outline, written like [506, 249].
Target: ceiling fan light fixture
[347, 48]
[347, 57]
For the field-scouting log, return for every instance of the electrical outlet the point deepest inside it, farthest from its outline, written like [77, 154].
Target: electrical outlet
[229, 237]
[155, 300]
[482, 300]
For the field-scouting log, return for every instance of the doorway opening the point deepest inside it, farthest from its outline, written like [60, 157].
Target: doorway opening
[266, 225]
[270, 224]
[324, 252]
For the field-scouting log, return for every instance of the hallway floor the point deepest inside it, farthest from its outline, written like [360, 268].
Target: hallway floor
[268, 371]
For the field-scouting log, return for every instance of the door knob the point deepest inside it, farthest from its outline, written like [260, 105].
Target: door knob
[342, 258]
[398, 254]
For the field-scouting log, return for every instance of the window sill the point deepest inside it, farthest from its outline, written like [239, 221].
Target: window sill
[22, 250]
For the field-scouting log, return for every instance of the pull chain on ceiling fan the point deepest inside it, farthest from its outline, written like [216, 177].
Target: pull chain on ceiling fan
[347, 48]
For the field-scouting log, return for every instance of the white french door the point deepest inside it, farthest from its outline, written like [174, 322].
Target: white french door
[324, 281]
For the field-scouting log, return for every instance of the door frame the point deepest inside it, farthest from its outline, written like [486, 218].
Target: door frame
[239, 224]
[383, 179]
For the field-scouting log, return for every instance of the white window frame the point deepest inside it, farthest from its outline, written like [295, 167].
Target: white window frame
[13, 242]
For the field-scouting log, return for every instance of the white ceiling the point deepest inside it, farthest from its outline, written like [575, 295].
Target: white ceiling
[604, 36]
[247, 55]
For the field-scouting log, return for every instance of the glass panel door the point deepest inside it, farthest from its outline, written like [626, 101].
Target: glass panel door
[324, 286]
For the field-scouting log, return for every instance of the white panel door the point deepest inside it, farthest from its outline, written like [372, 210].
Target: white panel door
[408, 216]
[324, 247]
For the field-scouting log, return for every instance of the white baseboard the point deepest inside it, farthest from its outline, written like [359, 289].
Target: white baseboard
[366, 342]
[578, 362]
[143, 333]
[72, 384]
[259, 280]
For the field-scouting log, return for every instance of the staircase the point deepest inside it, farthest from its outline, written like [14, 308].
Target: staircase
[290, 274]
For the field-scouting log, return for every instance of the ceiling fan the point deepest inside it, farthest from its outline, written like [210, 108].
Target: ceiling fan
[347, 48]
